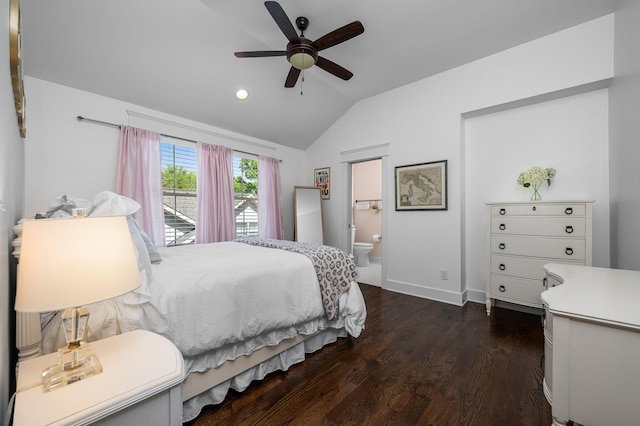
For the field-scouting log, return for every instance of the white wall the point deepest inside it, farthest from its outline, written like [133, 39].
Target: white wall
[11, 191]
[67, 156]
[625, 140]
[423, 122]
[569, 134]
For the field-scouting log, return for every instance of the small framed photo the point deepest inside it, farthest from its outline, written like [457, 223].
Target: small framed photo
[322, 180]
[422, 186]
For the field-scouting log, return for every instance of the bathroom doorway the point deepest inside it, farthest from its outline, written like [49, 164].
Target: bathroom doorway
[366, 219]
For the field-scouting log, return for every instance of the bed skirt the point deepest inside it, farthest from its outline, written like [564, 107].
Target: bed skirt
[279, 362]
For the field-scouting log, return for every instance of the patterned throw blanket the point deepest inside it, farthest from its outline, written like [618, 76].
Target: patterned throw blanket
[334, 268]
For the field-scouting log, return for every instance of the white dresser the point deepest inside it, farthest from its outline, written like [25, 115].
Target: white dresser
[523, 236]
[592, 345]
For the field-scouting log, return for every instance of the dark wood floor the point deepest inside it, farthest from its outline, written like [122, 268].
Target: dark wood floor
[418, 362]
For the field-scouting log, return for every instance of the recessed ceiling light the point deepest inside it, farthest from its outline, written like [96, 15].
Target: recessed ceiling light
[242, 94]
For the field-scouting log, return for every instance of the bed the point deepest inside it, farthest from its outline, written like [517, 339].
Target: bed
[236, 310]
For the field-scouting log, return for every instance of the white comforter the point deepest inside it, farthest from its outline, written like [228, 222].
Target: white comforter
[231, 297]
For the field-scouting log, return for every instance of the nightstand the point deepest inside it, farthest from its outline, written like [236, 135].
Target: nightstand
[140, 385]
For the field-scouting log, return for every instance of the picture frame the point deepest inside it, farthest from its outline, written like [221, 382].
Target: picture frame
[322, 180]
[421, 186]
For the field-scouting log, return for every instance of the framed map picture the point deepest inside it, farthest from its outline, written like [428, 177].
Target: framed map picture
[422, 186]
[322, 180]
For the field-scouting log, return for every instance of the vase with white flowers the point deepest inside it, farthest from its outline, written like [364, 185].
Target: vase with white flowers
[534, 177]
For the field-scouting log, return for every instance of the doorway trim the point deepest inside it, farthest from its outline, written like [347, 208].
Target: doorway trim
[358, 155]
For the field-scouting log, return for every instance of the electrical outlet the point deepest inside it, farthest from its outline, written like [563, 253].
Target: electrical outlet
[444, 274]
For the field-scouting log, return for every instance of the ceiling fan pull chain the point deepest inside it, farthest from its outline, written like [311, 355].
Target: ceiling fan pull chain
[301, 81]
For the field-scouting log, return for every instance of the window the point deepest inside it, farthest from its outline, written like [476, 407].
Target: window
[179, 193]
[179, 177]
[245, 187]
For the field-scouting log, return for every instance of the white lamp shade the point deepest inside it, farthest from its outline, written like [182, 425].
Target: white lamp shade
[73, 262]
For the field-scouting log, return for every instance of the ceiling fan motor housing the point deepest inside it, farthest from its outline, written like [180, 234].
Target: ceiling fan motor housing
[302, 55]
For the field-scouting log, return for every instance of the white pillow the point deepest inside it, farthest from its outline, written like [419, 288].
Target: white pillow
[142, 293]
[63, 206]
[108, 203]
[154, 254]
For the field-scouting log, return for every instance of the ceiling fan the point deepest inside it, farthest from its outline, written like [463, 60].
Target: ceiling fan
[301, 52]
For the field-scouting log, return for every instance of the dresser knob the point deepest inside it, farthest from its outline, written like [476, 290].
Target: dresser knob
[568, 210]
[502, 267]
[502, 226]
[569, 251]
[503, 212]
[502, 289]
[534, 208]
[568, 229]
[501, 246]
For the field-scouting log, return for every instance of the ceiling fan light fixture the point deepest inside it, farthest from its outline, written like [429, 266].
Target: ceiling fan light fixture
[302, 60]
[302, 55]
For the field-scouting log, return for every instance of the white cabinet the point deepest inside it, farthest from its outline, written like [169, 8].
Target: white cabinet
[592, 345]
[140, 385]
[522, 237]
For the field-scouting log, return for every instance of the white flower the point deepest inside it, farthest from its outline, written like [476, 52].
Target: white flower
[536, 176]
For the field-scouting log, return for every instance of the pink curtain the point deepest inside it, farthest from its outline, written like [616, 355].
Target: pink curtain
[270, 219]
[139, 177]
[215, 213]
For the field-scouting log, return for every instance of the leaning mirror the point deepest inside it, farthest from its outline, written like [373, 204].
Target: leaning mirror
[308, 214]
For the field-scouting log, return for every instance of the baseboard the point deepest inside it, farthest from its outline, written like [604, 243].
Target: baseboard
[476, 296]
[439, 295]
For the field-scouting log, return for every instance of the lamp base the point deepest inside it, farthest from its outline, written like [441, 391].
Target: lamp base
[74, 364]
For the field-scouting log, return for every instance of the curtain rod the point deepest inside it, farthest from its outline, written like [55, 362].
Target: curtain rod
[91, 120]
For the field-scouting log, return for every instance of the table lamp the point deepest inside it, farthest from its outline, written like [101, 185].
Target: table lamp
[65, 264]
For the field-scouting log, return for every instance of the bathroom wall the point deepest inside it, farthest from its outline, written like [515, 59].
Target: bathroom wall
[367, 187]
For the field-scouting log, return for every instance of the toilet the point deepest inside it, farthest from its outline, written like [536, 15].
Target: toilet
[360, 250]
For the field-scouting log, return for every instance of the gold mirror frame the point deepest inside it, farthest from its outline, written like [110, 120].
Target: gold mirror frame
[16, 64]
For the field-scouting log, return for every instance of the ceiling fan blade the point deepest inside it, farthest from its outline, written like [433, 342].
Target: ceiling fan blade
[260, 53]
[283, 21]
[292, 77]
[333, 68]
[338, 36]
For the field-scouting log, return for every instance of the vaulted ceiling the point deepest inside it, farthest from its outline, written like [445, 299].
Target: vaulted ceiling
[177, 56]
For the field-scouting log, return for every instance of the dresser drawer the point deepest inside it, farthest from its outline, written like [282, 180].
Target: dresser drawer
[517, 290]
[551, 248]
[526, 267]
[545, 226]
[539, 210]
[522, 267]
